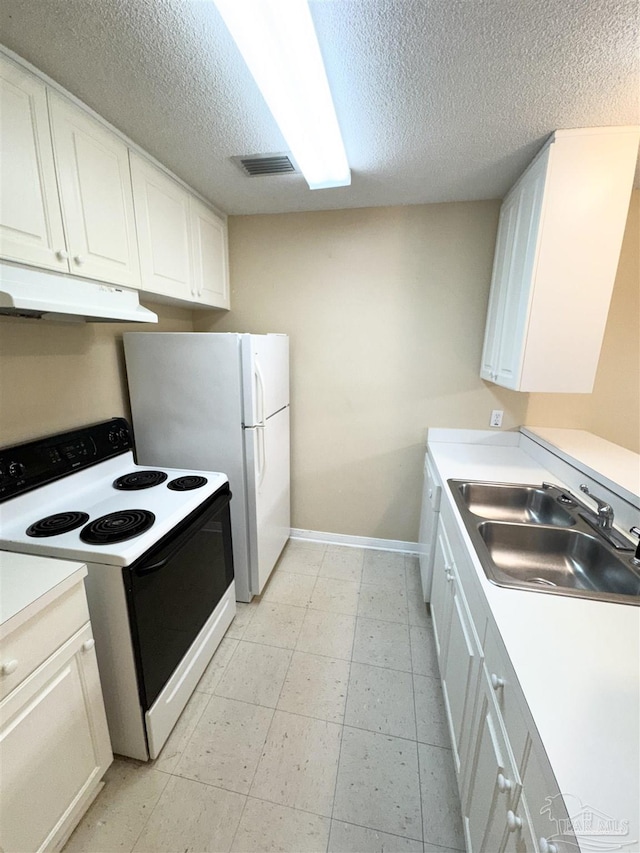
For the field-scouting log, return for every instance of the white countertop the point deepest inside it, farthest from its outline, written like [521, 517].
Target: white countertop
[577, 661]
[615, 466]
[26, 579]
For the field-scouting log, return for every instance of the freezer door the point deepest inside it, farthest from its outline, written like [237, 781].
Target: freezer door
[268, 495]
[186, 399]
[265, 364]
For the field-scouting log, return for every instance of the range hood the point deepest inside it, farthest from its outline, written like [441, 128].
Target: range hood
[27, 292]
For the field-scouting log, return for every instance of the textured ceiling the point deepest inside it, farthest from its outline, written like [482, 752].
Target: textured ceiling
[438, 100]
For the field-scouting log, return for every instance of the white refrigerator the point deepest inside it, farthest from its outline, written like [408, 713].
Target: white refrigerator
[220, 402]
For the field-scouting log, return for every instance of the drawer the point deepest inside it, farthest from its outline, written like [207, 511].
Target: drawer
[506, 691]
[38, 638]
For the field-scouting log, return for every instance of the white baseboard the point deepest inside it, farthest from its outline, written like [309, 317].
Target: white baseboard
[355, 541]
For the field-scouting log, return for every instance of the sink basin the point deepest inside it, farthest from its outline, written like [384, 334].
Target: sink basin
[556, 557]
[503, 502]
[544, 540]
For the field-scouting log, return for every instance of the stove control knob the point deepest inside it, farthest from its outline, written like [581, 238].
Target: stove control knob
[16, 469]
[122, 434]
[113, 436]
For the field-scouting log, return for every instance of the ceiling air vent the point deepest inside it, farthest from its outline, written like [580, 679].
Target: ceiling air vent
[259, 165]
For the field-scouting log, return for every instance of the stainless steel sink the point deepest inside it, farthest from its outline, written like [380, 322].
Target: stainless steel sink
[504, 502]
[556, 557]
[535, 538]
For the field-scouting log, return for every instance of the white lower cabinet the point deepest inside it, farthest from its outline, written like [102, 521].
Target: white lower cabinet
[431, 492]
[459, 648]
[504, 777]
[54, 742]
[492, 786]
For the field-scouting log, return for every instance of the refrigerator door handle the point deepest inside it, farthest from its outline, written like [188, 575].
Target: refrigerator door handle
[259, 382]
[261, 454]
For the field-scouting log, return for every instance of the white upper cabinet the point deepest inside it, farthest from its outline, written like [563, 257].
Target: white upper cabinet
[557, 251]
[77, 199]
[30, 218]
[210, 253]
[163, 226]
[183, 244]
[95, 191]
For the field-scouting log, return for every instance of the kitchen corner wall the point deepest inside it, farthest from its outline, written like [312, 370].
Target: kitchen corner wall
[385, 308]
[57, 376]
[613, 409]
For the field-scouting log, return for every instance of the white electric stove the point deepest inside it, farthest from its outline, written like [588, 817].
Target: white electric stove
[157, 544]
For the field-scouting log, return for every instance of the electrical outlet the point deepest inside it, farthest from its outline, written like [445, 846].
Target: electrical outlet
[496, 418]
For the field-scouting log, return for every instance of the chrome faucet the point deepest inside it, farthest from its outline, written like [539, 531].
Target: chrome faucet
[605, 510]
[636, 532]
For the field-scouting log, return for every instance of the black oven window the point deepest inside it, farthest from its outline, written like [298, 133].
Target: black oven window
[174, 591]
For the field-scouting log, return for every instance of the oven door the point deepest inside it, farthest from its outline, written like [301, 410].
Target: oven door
[173, 590]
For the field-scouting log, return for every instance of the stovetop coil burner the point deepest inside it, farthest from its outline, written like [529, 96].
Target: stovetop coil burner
[117, 526]
[139, 480]
[187, 483]
[54, 525]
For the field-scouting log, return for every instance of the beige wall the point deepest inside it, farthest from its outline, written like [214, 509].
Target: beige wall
[58, 376]
[613, 410]
[385, 308]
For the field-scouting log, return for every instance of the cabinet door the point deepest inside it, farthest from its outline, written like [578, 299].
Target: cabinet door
[549, 820]
[492, 787]
[54, 746]
[518, 291]
[95, 190]
[210, 256]
[163, 227]
[30, 217]
[461, 669]
[499, 284]
[431, 492]
[441, 594]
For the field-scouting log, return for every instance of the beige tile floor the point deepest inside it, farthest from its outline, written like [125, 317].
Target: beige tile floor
[318, 726]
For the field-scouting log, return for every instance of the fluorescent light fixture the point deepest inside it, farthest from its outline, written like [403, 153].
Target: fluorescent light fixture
[278, 42]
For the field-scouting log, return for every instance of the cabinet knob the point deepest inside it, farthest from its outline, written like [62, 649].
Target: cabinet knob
[62, 255]
[496, 681]
[513, 821]
[88, 645]
[449, 575]
[504, 784]
[78, 259]
[8, 667]
[547, 846]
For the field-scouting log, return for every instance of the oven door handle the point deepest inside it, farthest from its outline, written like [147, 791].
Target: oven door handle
[220, 504]
[155, 567]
